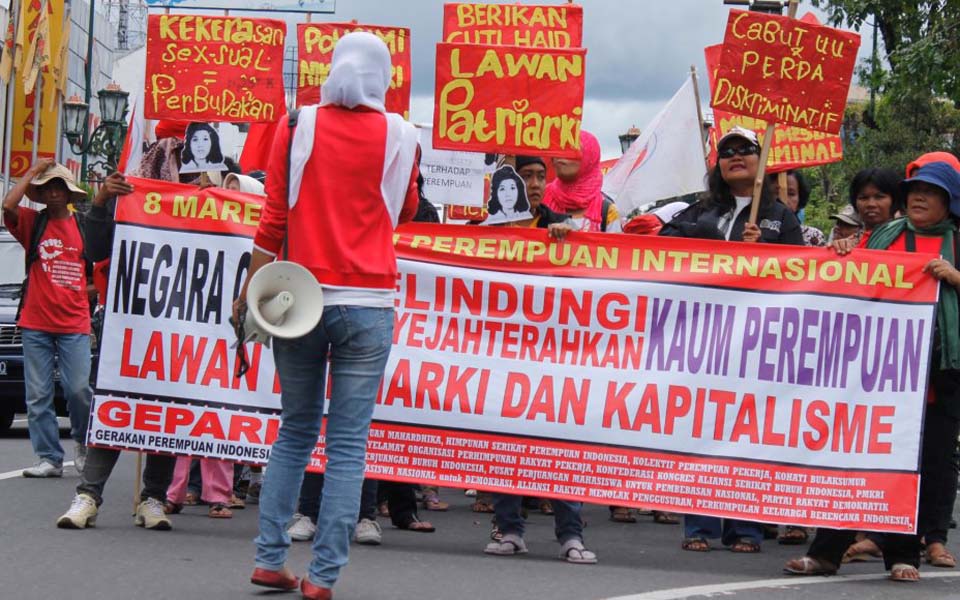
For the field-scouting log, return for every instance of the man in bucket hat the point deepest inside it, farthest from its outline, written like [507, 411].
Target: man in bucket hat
[55, 310]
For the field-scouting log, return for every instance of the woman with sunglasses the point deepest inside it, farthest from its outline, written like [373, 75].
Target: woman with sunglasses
[723, 212]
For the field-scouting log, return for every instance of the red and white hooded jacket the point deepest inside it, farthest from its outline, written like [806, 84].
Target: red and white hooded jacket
[352, 179]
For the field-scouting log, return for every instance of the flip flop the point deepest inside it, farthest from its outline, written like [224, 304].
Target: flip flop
[573, 551]
[898, 571]
[418, 526]
[939, 556]
[806, 565]
[220, 511]
[510, 545]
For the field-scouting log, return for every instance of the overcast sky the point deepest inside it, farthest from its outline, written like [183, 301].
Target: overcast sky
[638, 53]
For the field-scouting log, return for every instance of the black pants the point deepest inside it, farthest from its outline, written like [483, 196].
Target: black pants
[400, 498]
[938, 490]
[157, 474]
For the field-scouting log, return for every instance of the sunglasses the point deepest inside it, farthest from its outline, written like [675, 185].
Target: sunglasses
[729, 152]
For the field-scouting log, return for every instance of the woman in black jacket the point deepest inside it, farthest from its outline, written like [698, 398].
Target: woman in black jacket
[723, 212]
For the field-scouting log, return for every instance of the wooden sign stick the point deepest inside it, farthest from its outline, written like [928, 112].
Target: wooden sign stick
[765, 150]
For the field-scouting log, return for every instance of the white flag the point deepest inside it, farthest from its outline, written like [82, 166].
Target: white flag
[666, 161]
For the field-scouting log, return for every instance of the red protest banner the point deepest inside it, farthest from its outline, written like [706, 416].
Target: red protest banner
[203, 68]
[792, 148]
[514, 25]
[315, 43]
[785, 71]
[508, 99]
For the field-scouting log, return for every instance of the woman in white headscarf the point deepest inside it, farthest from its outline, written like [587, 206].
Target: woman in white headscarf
[351, 180]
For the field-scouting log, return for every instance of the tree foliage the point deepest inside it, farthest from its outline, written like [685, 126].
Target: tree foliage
[920, 41]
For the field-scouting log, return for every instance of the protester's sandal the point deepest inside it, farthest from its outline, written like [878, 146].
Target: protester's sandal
[236, 503]
[415, 524]
[573, 551]
[191, 499]
[807, 565]
[665, 518]
[432, 502]
[745, 546]
[792, 536]
[905, 573]
[696, 544]
[481, 506]
[220, 511]
[546, 507]
[939, 556]
[622, 514]
[510, 545]
[383, 510]
[172, 508]
[862, 551]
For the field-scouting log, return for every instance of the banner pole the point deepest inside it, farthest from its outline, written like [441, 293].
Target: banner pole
[8, 117]
[696, 95]
[37, 97]
[136, 482]
[765, 151]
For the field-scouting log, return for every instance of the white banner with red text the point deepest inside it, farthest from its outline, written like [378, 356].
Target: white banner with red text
[782, 385]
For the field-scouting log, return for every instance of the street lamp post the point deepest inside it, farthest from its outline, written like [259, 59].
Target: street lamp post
[106, 140]
[628, 138]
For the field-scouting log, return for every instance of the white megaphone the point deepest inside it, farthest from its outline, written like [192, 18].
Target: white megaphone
[285, 300]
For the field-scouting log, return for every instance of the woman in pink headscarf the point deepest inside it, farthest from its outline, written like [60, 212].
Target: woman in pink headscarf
[576, 190]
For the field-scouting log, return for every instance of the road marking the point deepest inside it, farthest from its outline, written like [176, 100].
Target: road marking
[19, 472]
[740, 586]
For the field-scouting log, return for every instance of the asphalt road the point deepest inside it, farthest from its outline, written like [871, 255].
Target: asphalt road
[211, 559]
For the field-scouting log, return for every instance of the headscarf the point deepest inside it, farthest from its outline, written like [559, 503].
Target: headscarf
[248, 184]
[584, 191]
[170, 128]
[359, 73]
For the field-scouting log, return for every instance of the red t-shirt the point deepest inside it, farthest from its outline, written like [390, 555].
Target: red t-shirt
[56, 299]
[924, 244]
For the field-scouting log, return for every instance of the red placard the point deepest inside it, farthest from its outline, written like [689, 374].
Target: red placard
[509, 99]
[315, 43]
[785, 71]
[793, 147]
[514, 25]
[204, 68]
[456, 212]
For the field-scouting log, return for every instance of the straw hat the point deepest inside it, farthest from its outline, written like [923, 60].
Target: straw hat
[56, 171]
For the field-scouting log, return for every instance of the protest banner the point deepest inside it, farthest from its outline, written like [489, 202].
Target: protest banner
[601, 369]
[458, 212]
[792, 147]
[785, 71]
[315, 43]
[514, 25]
[451, 177]
[508, 99]
[205, 68]
[24, 138]
[303, 6]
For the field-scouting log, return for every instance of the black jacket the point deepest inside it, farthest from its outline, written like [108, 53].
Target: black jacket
[778, 224]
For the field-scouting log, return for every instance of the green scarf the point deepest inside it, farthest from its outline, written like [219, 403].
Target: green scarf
[948, 309]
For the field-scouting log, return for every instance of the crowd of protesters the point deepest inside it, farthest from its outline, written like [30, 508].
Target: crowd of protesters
[334, 147]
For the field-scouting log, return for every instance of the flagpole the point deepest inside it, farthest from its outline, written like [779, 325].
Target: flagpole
[696, 94]
[58, 148]
[8, 117]
[37, 97]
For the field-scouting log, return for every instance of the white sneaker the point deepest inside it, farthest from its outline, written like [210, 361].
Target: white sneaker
[43, 468]
[368, 532]
[80, 457]
[150, 515]
[82, 513]
[302, 529]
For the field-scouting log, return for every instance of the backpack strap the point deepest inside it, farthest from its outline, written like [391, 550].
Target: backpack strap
[32, 254]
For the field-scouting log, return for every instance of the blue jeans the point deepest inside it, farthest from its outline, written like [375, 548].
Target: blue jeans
[42, 352]
[728, 530]
[357, 340]
[566, 517]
